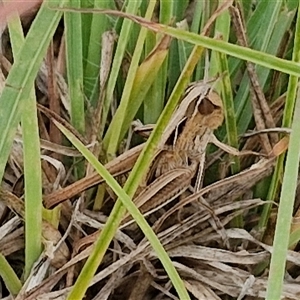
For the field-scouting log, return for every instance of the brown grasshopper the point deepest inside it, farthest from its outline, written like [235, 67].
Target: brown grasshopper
[199, 113]
[182, 148]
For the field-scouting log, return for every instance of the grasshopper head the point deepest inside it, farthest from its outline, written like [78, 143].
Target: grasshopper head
[211, 108]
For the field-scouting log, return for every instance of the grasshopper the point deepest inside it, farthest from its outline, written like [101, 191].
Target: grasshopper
[199, 114]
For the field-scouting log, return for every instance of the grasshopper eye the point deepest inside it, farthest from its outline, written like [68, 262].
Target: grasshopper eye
[206, 107]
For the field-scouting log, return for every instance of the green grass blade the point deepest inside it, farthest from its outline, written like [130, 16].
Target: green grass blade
[9, 277]
[21, 77]
[219, 65]
[196, 22]
[33, 184]
[99, 24]
[74, 59]
[222, 30]
[229, 112]
[114, 132]
[32, 163]
[75, 66]
[86, 22]
[255, 26]
[263, 35]
[179, 9]
[111, 226]
[126, 29]
[144, 77]
[154, 101]
[257, 57]
[284, 217]
[166, 11]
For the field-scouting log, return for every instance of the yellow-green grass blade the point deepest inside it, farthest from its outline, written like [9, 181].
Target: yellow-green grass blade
[32, 162]
[155, 98]
[111, 226]
[123, 39]
[128, 101]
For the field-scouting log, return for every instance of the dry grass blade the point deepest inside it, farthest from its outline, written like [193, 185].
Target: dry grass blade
[218, 255]
[120, 165]
[261, 110]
